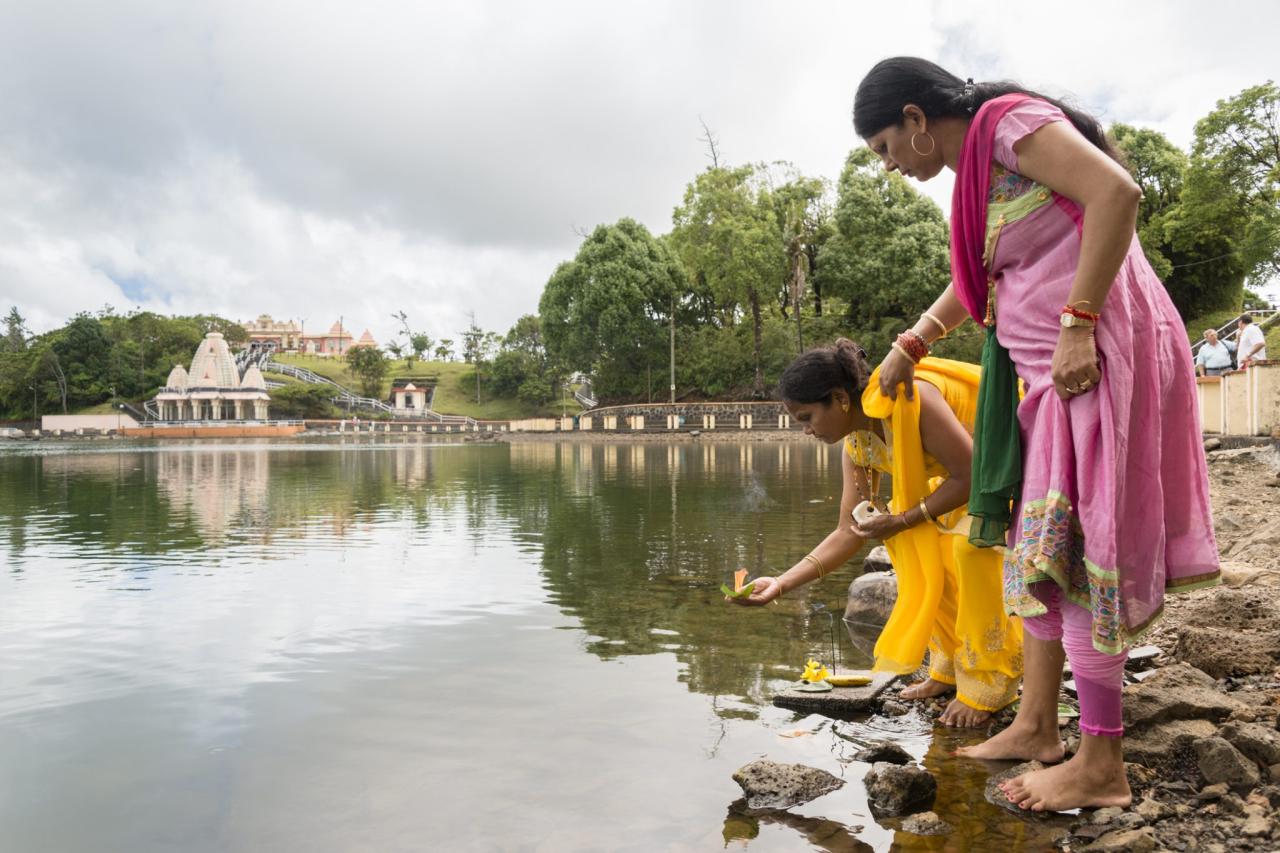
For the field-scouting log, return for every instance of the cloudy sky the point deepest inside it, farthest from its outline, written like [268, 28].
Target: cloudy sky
[317, 159]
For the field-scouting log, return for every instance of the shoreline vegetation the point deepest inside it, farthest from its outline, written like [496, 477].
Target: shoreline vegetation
[760, 262]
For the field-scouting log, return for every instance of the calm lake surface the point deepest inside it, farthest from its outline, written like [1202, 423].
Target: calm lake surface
[383, 644]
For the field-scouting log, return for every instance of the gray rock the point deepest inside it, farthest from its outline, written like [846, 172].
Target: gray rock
[1214, 791]
[1212, 444]
[894, 790]
[884, 750]
[877, 560]
[1178, 692]
[871, 598]
[1220, 762]
[1128, 820]
[1223, 652]
[894, 708]
[770, 785]
[927, 823]
[1256, 741]
[1152, 811]
[1106, 815]
[1157, 745]
[1256, 822]
[1126, 841]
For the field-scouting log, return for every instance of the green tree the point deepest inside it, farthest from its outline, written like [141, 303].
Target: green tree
[370, 365]
[890, 256]
[303, 401]
[419, 346]
[805, 218]
[606, 313]
[1235, 177]
[728, 236]
[521, 368]
[15, 332]
[444, 349]
[1158, 166]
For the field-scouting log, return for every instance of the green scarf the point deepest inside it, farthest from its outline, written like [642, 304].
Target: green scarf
[997, 448]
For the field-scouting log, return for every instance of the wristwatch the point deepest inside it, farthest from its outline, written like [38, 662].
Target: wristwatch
[1070, 320]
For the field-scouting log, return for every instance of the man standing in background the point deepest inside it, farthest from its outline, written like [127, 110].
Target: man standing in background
[1251, 346]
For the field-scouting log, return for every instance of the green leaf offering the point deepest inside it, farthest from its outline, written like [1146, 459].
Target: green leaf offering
[742, 593]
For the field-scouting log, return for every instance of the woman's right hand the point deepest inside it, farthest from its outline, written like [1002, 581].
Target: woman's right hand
[895, 370]
[765, 589]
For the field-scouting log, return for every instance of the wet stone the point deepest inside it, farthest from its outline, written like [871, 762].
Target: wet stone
[927, 823]
[770, 785]
[871, 598]
[883, 750]
[894, 790]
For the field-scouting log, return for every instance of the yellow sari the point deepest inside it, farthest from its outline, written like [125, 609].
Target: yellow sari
[950, 594]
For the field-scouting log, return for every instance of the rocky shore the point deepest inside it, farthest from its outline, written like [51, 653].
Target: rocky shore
[1202, 743]
[1201, 703]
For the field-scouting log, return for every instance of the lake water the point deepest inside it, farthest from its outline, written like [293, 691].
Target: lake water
[384, 644]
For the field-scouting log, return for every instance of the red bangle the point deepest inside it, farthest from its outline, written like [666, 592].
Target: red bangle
[914, 344]
[1081, 313]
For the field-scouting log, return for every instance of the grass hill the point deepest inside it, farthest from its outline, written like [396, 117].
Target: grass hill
[455, 393]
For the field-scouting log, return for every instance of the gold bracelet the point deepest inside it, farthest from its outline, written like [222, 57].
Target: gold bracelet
[941, 325]
[924, 510]
[822, 570]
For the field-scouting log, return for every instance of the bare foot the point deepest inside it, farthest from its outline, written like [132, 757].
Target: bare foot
[1021, 742]
[926, 689]
[960, 716]
[1077, 784]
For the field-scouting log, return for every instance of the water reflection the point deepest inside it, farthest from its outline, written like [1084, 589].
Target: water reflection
[301, 644]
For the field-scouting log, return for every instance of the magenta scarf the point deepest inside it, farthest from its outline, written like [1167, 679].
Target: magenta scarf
[969, 204]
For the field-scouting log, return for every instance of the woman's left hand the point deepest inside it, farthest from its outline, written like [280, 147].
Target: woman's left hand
[1075, 363]
[882, 526]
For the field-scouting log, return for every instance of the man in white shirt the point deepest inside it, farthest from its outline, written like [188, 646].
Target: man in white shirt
[1214, 356]
[1251, 346]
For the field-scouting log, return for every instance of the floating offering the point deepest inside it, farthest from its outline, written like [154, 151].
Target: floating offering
[814, 671]
[739, 590]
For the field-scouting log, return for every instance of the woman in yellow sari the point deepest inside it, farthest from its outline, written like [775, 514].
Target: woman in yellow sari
[950, 598]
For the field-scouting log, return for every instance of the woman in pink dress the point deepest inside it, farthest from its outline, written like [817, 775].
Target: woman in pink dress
[1096, 479]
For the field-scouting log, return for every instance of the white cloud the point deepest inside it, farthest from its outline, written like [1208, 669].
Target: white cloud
[320, 159]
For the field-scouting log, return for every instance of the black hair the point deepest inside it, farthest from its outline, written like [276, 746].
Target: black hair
[1246, 318]
[893, 83]
[816, 373]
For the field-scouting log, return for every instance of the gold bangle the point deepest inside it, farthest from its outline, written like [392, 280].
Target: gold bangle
[924, 510]
[941, 325]
[900, 348]
[822, 570]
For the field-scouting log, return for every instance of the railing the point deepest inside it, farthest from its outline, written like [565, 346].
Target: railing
[1230, 331]
[138, 416]
[352, 401]
[256, 352]
[585, 394]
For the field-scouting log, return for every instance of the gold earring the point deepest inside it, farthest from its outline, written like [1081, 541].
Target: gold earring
[844, 407]
[933, 143]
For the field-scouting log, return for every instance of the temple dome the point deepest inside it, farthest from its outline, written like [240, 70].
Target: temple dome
[253, 379]
[213, 365]
[177, 378]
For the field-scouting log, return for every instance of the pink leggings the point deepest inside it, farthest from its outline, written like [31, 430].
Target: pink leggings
[1098, 676]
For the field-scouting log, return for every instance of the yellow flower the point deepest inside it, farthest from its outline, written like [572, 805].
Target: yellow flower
[814, 671]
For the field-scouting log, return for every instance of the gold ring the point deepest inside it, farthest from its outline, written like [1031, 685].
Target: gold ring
[1086, 385]
[1072, 389]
